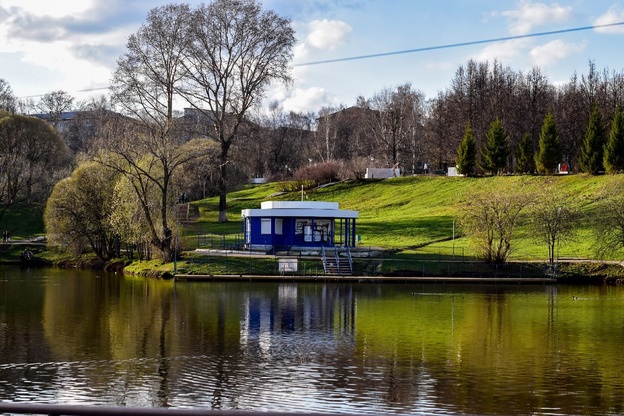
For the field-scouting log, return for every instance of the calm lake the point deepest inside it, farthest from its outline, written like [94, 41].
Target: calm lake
[76, 337]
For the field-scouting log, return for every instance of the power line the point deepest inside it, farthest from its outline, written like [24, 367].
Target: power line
[457, 45]
[85, 90]
[429, 48]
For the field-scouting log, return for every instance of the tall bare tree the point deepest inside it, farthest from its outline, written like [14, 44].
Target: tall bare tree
[236, 50]
[54, 104]
[534, 97]
[145, 148]
[399, 123]
[442, 133]
[277, 146]
[345, 133]
[326, 139]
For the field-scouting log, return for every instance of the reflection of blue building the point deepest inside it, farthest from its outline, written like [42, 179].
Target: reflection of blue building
[318, 315]
[299, 224]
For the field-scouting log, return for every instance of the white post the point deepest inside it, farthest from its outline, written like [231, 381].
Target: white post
[301, 193]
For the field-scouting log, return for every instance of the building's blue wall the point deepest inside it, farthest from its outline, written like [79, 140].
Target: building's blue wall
[291, 236]
[285, 239]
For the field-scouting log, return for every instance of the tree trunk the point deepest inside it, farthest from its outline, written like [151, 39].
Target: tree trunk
[222, 206]
[167, 255]
[167, 241]
[223, 184]
[165, 247]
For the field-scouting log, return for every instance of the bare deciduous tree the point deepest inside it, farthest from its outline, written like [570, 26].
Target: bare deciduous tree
[146, 148]
[54, 104]
[237, 50]
[399, 124]
[554, 220]
[326, 137]
[276, 145]
[490, 217]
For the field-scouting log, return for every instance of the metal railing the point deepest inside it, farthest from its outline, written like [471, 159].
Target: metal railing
[83, 410]
[220, 241]
[337, 257]
[350, 259]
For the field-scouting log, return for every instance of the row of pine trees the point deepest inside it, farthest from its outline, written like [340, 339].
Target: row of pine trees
[601, 151]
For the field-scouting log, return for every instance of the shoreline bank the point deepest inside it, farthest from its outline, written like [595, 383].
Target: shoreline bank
[364, 279]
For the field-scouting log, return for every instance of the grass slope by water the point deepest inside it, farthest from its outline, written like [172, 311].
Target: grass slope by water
[412, 215]
[23, 222]
[411, 212]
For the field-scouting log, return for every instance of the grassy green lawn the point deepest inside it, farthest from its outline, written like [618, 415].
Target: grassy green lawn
[411, 218]
[23, 222]
[415, 214]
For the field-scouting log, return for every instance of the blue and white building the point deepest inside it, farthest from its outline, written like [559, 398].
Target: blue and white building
[286, 224]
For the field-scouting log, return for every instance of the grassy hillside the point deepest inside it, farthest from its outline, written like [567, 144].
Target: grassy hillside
[23, 222]
[408, 213]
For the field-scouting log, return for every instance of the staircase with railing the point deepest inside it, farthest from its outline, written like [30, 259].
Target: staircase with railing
[335, 265]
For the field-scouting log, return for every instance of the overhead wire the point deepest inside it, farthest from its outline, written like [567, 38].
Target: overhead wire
[457, 45]
[429, 48]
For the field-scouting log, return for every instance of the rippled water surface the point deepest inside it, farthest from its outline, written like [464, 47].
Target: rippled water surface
[89, 338]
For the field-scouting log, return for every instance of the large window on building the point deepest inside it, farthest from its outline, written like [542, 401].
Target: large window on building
[321, 230]
[265, 226]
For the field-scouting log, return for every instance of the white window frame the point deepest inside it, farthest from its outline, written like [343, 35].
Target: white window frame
[265, 226]
[248, 227]
[279, 226]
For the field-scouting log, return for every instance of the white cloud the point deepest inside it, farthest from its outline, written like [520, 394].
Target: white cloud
[327, 34]
[323, 35]
[503, 51]
[50, 8]
[612, 16]
[300, 51]
[75, 53]
[310, 99]
[529, 15]
[554, 51]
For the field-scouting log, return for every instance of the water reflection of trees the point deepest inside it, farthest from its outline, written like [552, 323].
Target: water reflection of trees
[245, 345]
[490, 352]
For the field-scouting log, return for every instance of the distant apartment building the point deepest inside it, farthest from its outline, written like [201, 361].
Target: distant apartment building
[76, 127]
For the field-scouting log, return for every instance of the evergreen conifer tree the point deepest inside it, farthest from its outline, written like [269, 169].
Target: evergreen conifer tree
[496, 149]
[550, 151]
[525, 155]
[614, 149]
[591, 154]
[467, 154]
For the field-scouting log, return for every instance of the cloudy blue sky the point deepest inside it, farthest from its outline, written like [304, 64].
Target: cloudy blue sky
[72, 45]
